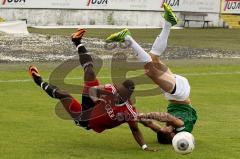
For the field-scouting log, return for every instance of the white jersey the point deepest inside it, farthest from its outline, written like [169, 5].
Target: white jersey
[182, 90]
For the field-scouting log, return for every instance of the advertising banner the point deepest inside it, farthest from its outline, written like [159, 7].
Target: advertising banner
[84, 4]
[144, 5]
[231, 6]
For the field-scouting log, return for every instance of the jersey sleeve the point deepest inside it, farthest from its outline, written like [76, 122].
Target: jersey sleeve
[132, 113]
[110, 88]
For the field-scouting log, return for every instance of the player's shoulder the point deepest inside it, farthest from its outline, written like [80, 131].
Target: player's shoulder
[110, 87]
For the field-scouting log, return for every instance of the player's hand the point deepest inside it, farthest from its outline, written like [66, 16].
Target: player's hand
[152, 149]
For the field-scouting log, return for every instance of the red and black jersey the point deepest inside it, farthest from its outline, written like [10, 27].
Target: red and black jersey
[107, 115]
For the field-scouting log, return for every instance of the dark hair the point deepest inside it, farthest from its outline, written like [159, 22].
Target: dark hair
[164, 138]
[129, 85]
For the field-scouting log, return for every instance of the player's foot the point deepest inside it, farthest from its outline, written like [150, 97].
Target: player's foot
[169, 15]
[33, 71]
[77, 36]
[118, 37]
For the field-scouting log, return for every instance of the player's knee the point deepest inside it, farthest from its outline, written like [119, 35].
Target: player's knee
[155, 58]
[89, 74]
[62, 94]
[151, 74]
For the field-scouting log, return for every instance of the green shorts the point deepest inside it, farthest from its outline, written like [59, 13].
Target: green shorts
[184, 112]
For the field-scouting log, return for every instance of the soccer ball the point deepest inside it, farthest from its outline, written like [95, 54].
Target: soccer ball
[183, 143]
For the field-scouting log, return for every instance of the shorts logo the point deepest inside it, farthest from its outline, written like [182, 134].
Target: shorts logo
[13, 1]
[97, 2]
[232, 5]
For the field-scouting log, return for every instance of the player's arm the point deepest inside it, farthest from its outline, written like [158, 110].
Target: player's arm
[137, 134]
[97, 92]
[151, 124]
[163, 117]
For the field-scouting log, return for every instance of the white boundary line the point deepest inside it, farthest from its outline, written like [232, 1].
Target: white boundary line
[101, 27]
[186, 74]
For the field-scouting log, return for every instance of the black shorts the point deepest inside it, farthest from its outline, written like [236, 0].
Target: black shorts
[87, 107]
[87, 104]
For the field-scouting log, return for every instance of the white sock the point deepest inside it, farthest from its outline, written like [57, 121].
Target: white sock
[142, 55]
[160, 44]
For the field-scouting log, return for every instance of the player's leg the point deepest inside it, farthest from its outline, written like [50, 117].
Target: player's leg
[90, 79]
[84, 57]
[52, 91]
[69, 103]
[166, 81]
[160, 44]
[85, 60]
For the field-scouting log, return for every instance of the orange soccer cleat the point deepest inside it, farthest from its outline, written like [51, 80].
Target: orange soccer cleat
[33, 71]
[78, 35]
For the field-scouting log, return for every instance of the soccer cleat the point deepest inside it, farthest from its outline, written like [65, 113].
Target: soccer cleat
[118, 37]
[33, 71]
[169, 15]
[78, 35]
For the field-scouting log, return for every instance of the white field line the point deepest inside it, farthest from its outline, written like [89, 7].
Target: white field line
[80, 78]
[102, 27]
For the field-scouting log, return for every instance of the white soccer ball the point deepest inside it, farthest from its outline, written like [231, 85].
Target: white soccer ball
[183, 143]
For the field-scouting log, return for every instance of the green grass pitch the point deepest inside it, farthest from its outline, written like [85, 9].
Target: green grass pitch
[29, 127]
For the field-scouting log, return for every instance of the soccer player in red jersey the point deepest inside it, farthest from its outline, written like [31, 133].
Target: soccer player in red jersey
[103, 107]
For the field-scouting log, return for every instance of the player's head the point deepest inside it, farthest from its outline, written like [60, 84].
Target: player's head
[129, 86]
[126, 89]
[166, 135]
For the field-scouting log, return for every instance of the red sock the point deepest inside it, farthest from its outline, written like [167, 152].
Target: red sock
[75, 107]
